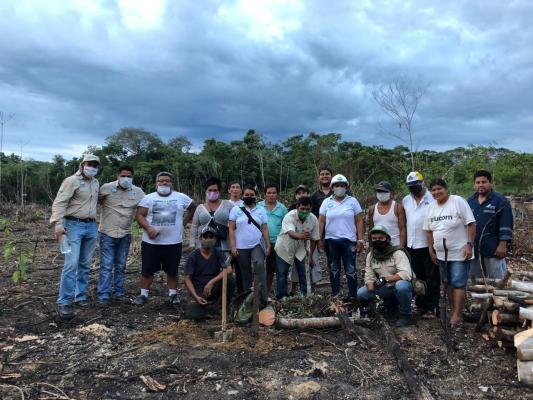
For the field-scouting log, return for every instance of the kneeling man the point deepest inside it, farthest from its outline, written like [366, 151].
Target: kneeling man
[388, 274]
[203, 276]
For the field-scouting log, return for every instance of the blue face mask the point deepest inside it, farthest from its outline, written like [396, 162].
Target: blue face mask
[163, 190]
[125, 181]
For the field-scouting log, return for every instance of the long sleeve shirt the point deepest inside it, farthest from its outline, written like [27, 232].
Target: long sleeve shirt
[494, 222]
[397, 264]
[77, 197]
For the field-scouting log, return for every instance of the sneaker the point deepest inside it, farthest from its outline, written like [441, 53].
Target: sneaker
[174, 300]
[140, 300]
[83, 304]
[103, 302]
[65, 312]
[403, 321]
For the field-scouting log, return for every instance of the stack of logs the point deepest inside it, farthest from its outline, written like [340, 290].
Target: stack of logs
[507, 305]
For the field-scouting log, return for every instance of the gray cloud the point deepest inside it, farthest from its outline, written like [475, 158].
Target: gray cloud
[76, 72]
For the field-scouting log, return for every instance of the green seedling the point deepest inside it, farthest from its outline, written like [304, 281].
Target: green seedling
[20, 274]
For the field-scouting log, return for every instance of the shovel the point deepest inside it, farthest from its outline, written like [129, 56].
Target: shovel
[225, 334]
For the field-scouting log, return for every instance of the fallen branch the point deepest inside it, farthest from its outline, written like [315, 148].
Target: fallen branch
[14, 387]
[312, 323]
[526, 313]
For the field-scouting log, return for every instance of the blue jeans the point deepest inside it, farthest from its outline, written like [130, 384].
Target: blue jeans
[282, 270]
[75, 272]
[401, 294]
[342, 250]
[457, 273]
[113, 256]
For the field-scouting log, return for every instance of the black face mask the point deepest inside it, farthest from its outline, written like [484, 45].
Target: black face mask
[248, 200]
[379, 244]
[415, 190]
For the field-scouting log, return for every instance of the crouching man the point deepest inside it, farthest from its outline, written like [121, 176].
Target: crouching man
[203, 277]
[388, 274]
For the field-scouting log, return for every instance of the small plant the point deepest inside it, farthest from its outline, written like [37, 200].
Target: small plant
[9, 248]
[5, 225]
[20, 274]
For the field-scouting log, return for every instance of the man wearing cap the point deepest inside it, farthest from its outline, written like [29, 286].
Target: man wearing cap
[388, 274]
[300, 191]
[162, 215]
[203, 276]
[494, 230]
[118, 201]
[389, 213]
[416, 204]
[74, 215]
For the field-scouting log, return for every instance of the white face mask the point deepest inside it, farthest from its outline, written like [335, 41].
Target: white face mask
[163, 190]
[339, 191]
[383, 197]
[90, 171]
[125, 181]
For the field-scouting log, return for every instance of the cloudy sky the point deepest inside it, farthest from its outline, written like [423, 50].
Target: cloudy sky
[74, 72]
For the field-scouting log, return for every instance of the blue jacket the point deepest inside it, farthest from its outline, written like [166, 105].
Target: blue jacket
[494, 222]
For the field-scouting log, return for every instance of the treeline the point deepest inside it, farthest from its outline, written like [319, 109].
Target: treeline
[257, 161]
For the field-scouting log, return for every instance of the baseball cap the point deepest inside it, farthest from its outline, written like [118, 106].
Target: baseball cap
[90, 157]
[379, 229]
[208, 229]
[413, 178]
[301, 187]
[384, 186]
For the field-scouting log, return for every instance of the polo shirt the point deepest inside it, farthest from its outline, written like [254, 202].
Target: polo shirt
[340, 217]
[494, 219]
[415, 215]
[288, 248]
[247, 236]
[275, 218]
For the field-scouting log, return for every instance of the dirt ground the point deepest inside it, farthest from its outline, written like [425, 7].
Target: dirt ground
[127, 352]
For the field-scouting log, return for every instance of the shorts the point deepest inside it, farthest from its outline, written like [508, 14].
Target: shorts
[457, 273]
[156, 257]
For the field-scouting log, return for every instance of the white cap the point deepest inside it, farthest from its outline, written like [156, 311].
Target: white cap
[338, 179]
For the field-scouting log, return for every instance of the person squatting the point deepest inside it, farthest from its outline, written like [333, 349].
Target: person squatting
[428, 236]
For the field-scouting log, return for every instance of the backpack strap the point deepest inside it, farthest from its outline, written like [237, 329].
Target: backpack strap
[250, 218]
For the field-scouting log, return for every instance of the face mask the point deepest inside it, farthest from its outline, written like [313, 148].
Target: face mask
[415, 190]
[208, 243]
[303, 214]
[379, 244]
[90, 171]
[212, 196]
[163, 190]
[125, 181]
[383, 197]
[248, 200]
[339, 191]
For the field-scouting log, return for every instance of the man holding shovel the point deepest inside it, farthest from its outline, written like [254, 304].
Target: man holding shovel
[204, 276]
[299, 227]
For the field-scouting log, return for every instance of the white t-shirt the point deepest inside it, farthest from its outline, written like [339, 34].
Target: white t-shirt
[340, 217]
[415, 215]
[165, 213]
[247, 236]
[448, 221]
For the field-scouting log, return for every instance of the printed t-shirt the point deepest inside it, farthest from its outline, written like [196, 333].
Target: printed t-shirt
[448, 221]
[165, 213]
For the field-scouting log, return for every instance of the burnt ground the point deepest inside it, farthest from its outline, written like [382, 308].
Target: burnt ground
[126, 352]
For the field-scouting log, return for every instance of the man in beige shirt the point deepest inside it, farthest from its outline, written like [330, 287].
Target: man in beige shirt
[118, 201]
[74, 215]
[388, 275]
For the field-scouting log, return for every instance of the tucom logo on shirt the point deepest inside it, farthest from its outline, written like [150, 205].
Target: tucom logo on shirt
[441, 218]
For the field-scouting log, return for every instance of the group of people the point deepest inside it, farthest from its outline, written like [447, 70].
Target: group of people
[430, 235]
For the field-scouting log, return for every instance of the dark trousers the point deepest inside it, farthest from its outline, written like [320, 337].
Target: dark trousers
[247, 259]
[424, 269]
[198, 312]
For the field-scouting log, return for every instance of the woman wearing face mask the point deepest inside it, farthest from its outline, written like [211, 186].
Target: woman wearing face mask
[341, 229]
[388, 213]
[214, 212]
[249, 239]
[450, 218]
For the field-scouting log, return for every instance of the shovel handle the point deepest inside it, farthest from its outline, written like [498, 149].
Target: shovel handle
[224, 297]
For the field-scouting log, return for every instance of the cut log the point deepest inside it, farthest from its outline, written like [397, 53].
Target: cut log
[507, 293]
[502, 318]
[480, 295]
[526, 313]
[480, 288]
[308, 323]
[476, 307]
[528, 274]
[522, 337]
[524, 352]
[503, 304]
[267, 316]
[522, 286]
[488, 281]
[506, 335]
[522, 301]
[525, 371]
